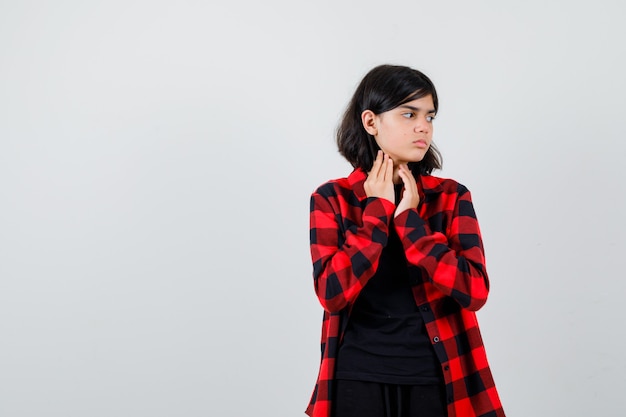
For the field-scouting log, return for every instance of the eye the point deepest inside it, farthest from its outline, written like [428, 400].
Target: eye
[430, 118]
[408, 115]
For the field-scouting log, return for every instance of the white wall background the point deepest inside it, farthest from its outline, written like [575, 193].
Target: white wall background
[156, 162]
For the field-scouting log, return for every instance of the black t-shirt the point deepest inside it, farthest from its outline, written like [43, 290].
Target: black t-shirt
[385, 339]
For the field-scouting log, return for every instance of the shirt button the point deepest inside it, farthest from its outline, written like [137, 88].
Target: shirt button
[446, 368]
[424, 308]
[436, 339]
[450, 400]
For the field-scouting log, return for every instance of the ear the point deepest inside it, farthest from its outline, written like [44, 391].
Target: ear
[368, 118]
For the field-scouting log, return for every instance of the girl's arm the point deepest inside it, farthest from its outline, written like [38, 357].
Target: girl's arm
[453, 263]
[343, 261]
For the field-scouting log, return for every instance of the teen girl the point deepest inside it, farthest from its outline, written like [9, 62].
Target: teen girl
[398, 266]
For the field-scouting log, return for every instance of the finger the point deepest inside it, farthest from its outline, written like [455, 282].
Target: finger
[388, 169]
[377, 163]
[410, 196]
[404, 177]
[409, 176]
[402, 172]
[410, 186]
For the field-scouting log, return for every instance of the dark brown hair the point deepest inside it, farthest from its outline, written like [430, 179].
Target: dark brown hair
[384, 88]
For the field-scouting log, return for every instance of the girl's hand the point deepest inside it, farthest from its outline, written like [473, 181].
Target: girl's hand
[379, 182]
[410, 197]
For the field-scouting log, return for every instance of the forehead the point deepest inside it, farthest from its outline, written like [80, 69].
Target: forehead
[425, 104]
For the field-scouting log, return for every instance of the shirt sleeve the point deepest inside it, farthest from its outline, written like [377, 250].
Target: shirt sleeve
[453, 262]
[345, 260]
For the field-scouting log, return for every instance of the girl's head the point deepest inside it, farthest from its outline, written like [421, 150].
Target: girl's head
[392, 109]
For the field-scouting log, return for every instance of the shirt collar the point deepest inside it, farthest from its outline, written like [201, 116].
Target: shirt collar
[356, 180]
[426, 184]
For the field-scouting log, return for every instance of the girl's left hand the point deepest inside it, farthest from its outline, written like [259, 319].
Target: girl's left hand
[410, 197]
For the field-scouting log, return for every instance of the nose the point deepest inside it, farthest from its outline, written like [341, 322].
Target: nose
[422, 124]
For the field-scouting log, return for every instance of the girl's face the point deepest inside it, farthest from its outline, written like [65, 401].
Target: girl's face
[405, 132]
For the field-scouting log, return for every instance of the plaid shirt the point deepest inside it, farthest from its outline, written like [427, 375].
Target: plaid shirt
[444, 250]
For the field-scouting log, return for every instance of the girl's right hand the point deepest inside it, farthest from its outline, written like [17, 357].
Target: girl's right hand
[379, 182]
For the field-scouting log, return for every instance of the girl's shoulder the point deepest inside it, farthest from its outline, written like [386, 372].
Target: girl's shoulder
[434, 184]
[338, 186]
[332, 184]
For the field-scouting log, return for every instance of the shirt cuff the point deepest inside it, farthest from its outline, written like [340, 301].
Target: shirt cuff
[381, 208]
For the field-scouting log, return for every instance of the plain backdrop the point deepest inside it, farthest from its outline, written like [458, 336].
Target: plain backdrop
[156, 163]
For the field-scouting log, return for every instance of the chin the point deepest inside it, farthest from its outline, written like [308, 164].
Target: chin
[408, 158]
[416, 158]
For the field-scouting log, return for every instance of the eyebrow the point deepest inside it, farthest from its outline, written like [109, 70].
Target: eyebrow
[416, 109]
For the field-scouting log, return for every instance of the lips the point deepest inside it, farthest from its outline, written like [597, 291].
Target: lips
[420, 143]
